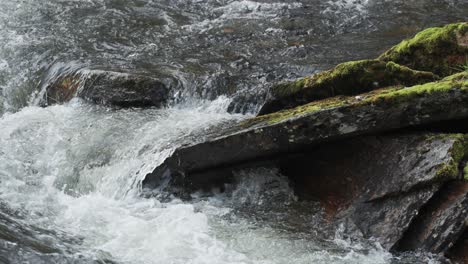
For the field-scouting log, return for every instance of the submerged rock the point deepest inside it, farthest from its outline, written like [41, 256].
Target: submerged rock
[350, 78]
[109, 87]
[442, 50]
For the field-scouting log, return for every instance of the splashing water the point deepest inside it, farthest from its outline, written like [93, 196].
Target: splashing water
[74, 169]
[71, 174]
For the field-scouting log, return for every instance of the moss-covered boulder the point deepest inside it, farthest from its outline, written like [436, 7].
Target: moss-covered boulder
[442, 50]
[108, 87]
[389, 94]
[334, 118]
[349, 78]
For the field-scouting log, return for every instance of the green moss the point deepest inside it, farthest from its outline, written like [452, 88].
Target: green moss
[288, 88]
[461, 76]
[352, 78]
[459, 81]
[436, 49]
[390, 94]
[465, 172]
[457, 153]
[349, 78]
[462, 66]
[279, 116]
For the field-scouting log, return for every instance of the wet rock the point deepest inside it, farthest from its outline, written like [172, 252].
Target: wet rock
[441, 222]
[245, 103]
[376, 167]
[396, 188]
[349, 78]
[110, 88]
[386, 220]
[404, 190]
[442, 50]
[336, 118]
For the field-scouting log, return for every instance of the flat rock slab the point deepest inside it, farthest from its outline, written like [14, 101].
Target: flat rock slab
[109, 88]
[288, 131]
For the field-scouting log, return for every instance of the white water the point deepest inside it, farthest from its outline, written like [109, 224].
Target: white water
[70, 175]
[75, 169]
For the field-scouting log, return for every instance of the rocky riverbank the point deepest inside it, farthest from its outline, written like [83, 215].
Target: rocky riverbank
[380, 143]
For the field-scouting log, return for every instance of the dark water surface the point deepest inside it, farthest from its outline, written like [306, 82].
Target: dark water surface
[70, 174]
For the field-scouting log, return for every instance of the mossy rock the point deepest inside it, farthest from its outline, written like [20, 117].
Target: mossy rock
[465, 172]
[389, 95]
[327, 120]
[458, 153]
[349, 78]
[442, 50]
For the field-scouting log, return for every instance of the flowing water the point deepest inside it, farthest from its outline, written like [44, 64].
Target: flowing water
[70, 175]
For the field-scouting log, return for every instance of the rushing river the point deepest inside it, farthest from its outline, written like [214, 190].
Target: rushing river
[70, 175]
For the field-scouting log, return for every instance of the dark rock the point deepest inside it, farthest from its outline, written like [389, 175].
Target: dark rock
[349, 78]
[382, 185]
[441, 222]
[442, 50]
[388, 187]
[272, 135]
[109, 87]
[375, 167]
[459, 252]
[387, 219]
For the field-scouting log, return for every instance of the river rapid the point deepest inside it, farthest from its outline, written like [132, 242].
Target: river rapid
[70, 174]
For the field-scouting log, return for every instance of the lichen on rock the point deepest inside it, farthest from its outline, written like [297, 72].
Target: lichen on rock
[439, 49]
[349, 78]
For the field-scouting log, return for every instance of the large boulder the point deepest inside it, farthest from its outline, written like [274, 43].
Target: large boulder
[271, 135]
[108, 87]
[442, 50]
[439, 51]
[404, 190]
[349, 78]
[361, 150]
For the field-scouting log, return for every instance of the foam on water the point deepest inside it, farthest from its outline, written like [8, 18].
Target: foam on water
[71, 174]
[243, 10]
[75, 169]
